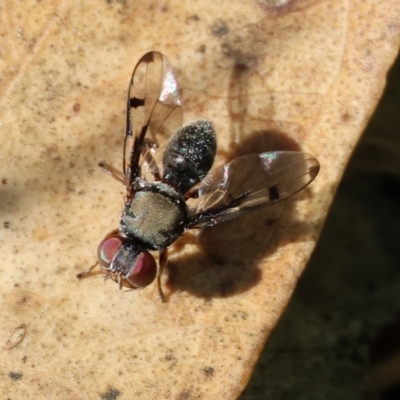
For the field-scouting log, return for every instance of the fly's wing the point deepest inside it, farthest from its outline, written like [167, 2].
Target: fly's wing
[153, 114]
[251, 181]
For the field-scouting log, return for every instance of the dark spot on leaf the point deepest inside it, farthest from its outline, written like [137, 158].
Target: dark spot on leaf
[111, 394]
[15, 376]
[208, 371]
[346, 117]
[6, 224]
[194, 17]
[220, 28]
[171, 358]
[184, 396]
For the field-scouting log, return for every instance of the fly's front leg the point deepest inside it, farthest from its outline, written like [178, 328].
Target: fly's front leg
[88, 271]
[82, 274]
[162, 261]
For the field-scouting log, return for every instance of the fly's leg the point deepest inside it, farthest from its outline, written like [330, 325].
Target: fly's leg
[192, 193]
[112, 171]
[83, 274]
[162, 260]
[86, 272]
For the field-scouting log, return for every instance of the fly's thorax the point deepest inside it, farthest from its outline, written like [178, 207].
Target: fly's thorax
[155, 216]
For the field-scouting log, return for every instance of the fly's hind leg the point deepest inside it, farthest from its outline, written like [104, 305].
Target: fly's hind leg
[162, 260]
[117, 175]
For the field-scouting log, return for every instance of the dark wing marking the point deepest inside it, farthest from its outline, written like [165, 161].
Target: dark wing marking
[251, 181]
[153, 114]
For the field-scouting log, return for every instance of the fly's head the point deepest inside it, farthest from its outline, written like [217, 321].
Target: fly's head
[126, 262]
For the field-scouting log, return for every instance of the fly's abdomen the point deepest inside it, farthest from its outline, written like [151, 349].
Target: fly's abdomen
[190, 154]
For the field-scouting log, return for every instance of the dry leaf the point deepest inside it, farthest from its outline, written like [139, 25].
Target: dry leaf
[289, 75]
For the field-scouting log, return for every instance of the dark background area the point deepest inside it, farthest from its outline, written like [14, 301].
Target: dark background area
[343, 320]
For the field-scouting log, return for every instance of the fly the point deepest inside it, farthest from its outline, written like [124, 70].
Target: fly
[167, 166]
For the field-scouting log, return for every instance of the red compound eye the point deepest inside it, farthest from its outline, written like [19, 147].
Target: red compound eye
[107, 249]
[143, 271]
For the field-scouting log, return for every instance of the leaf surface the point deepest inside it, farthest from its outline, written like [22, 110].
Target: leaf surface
[295, 75]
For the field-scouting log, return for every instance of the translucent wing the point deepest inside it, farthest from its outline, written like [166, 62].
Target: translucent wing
[153, 114]
[251, 181]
